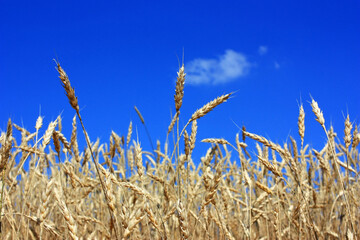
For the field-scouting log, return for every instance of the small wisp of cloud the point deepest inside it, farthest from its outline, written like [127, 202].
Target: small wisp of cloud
[262, 50]
[228, 67]
[276, 65]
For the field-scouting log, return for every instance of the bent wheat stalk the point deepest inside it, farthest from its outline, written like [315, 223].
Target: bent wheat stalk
[202, 112]
[70, 93]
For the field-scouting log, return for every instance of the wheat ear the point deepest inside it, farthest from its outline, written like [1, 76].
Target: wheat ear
[209, 106]
[146, 129]
[70, 222]
[301, 124]
[182, 216]
[179, 90]
[356, 138]
[216, 141]
[5, 153]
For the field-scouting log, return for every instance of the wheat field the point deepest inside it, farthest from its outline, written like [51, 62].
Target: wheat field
[274, 191]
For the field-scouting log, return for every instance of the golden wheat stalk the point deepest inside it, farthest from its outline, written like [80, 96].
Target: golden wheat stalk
[320, 118]
[70, 93]
[200, 113]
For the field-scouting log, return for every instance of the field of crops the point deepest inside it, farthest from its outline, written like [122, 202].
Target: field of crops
[52, 190]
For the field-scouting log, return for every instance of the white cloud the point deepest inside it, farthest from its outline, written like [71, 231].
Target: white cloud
[226, 68]
[263, 50]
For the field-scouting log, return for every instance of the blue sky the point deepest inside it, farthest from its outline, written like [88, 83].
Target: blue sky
[118, 54]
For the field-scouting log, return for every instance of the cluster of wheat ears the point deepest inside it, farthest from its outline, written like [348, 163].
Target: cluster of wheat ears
[284, 191]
